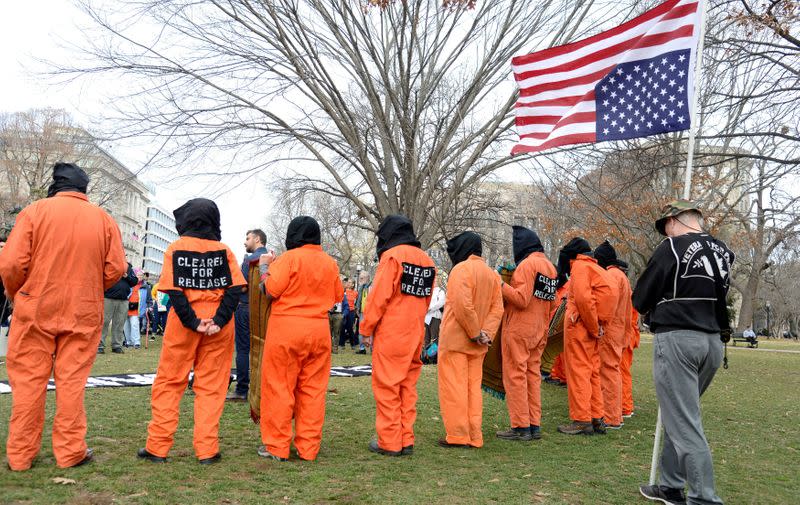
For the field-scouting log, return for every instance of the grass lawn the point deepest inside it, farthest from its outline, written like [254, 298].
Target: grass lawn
[750, 414]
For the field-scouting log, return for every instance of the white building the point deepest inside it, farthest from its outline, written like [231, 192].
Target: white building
[159, 233]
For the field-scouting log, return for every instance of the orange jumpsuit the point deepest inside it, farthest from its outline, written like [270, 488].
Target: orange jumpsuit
[395, 318]
[631, 343]
[474, 302]
[590, 303]
[134, 298]
[203, 270]
[611, 346]
[62, 254]
[304, 283]
[525, 325]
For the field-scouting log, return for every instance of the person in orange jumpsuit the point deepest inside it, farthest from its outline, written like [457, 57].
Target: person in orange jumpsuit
[529, 301]
[303, 284]
[614, 340]
[473, 309]
[632, 337]
[395, 318]
[591, 302]
[62, 254]
[203, 281]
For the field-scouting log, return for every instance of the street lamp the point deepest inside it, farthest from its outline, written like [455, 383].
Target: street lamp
[768, 307]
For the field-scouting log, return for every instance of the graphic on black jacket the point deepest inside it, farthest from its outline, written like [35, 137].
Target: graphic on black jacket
[544, 288]
[417, 280]
[201, 270]
[696, 261]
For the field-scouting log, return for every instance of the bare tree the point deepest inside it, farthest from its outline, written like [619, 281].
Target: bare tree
[396, 106]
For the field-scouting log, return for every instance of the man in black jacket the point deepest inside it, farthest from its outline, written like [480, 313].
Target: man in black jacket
[115, 310]
[682, 294]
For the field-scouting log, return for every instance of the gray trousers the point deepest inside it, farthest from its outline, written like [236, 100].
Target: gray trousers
[684, 363]
[115, 313]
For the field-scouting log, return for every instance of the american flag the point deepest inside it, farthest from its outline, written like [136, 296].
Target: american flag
[632, 81]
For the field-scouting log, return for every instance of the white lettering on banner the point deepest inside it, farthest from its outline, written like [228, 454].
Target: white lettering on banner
[544, 287]
[417, 280]
[196, 270]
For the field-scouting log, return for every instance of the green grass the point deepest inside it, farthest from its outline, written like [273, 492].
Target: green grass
[750, 415]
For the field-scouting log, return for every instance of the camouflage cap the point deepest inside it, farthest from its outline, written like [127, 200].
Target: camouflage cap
[673, 209]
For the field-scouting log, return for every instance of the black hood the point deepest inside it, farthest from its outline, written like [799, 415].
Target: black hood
[605, 254]
[463, 245]
[198, 218]
[525, 242]
[574, 247]
[623, 265]
[68, 177]
[395, 230]
[301, 231]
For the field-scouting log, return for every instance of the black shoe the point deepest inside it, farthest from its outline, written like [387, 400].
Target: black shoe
[599, 426]
[361, 351]
[444, 443]
[101, 351]
[210, 461]
[118, 350]
[407, 450]
[86, 459]
[521, 434]
[536, 432]
[137, 346]
[374, 447]
[150, 457]
[665, 495]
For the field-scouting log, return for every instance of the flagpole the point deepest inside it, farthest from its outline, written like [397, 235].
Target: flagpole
[695, 121]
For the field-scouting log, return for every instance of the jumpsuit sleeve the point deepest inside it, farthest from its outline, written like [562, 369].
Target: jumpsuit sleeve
[387, 277]
[492, 322]
[584, 299]
[278, 276]
[115, 264]
[338, 287]
[15, 259]
[461, 287]
[519, 293]
[183, 309]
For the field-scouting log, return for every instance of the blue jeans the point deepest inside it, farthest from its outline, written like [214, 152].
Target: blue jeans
[132, 335]
[242, 329]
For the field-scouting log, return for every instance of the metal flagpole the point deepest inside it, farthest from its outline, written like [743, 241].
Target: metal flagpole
[687, 189]
[695, 121]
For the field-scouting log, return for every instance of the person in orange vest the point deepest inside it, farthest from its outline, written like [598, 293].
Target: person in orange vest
[62, 254]
[347, 332]
[529, 301]
[590, 305]
[473, 309]
[632, 337]
[203, 281]
[132, 335]
[614, 340]
[395, 319]
[303, 283]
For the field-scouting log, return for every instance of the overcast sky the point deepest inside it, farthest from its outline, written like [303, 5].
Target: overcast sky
[33, 30]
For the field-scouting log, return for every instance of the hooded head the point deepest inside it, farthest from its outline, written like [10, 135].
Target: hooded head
[605, 254]
[395, 230]
[574, 247]
[302, 230]
[623, 265]
[525, 242]
[198, 218]
[463, 245]
[68, 177]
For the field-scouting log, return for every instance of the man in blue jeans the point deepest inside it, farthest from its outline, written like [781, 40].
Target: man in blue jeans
[683, 294]
[254, 245]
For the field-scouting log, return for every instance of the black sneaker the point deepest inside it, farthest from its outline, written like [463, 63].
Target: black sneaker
[407, 450]
[444, 443]
[118, 350]
[576, 428]
[520, 434]
[374, 447]
[87, 458]
[536, 432]
[150, 457]
[101, 351]
[599, 426]
[210, 461]
[665, 495]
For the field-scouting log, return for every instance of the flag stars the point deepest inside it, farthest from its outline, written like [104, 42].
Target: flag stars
[619, 71]
[637, 68]
[680, 119]
[680, 89]
[606, 117]
[679, 104]
[649, 124]
[629, 77]
[604, 88]
[681, 58]
[672, 83]
[681, 73]
[605, 131]
[612, 80]
[622, 129]
[614, 123]
[664, 122]
[663, 61]
[672, 67]
[671, 98]
[613, 94]
[671, 113]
